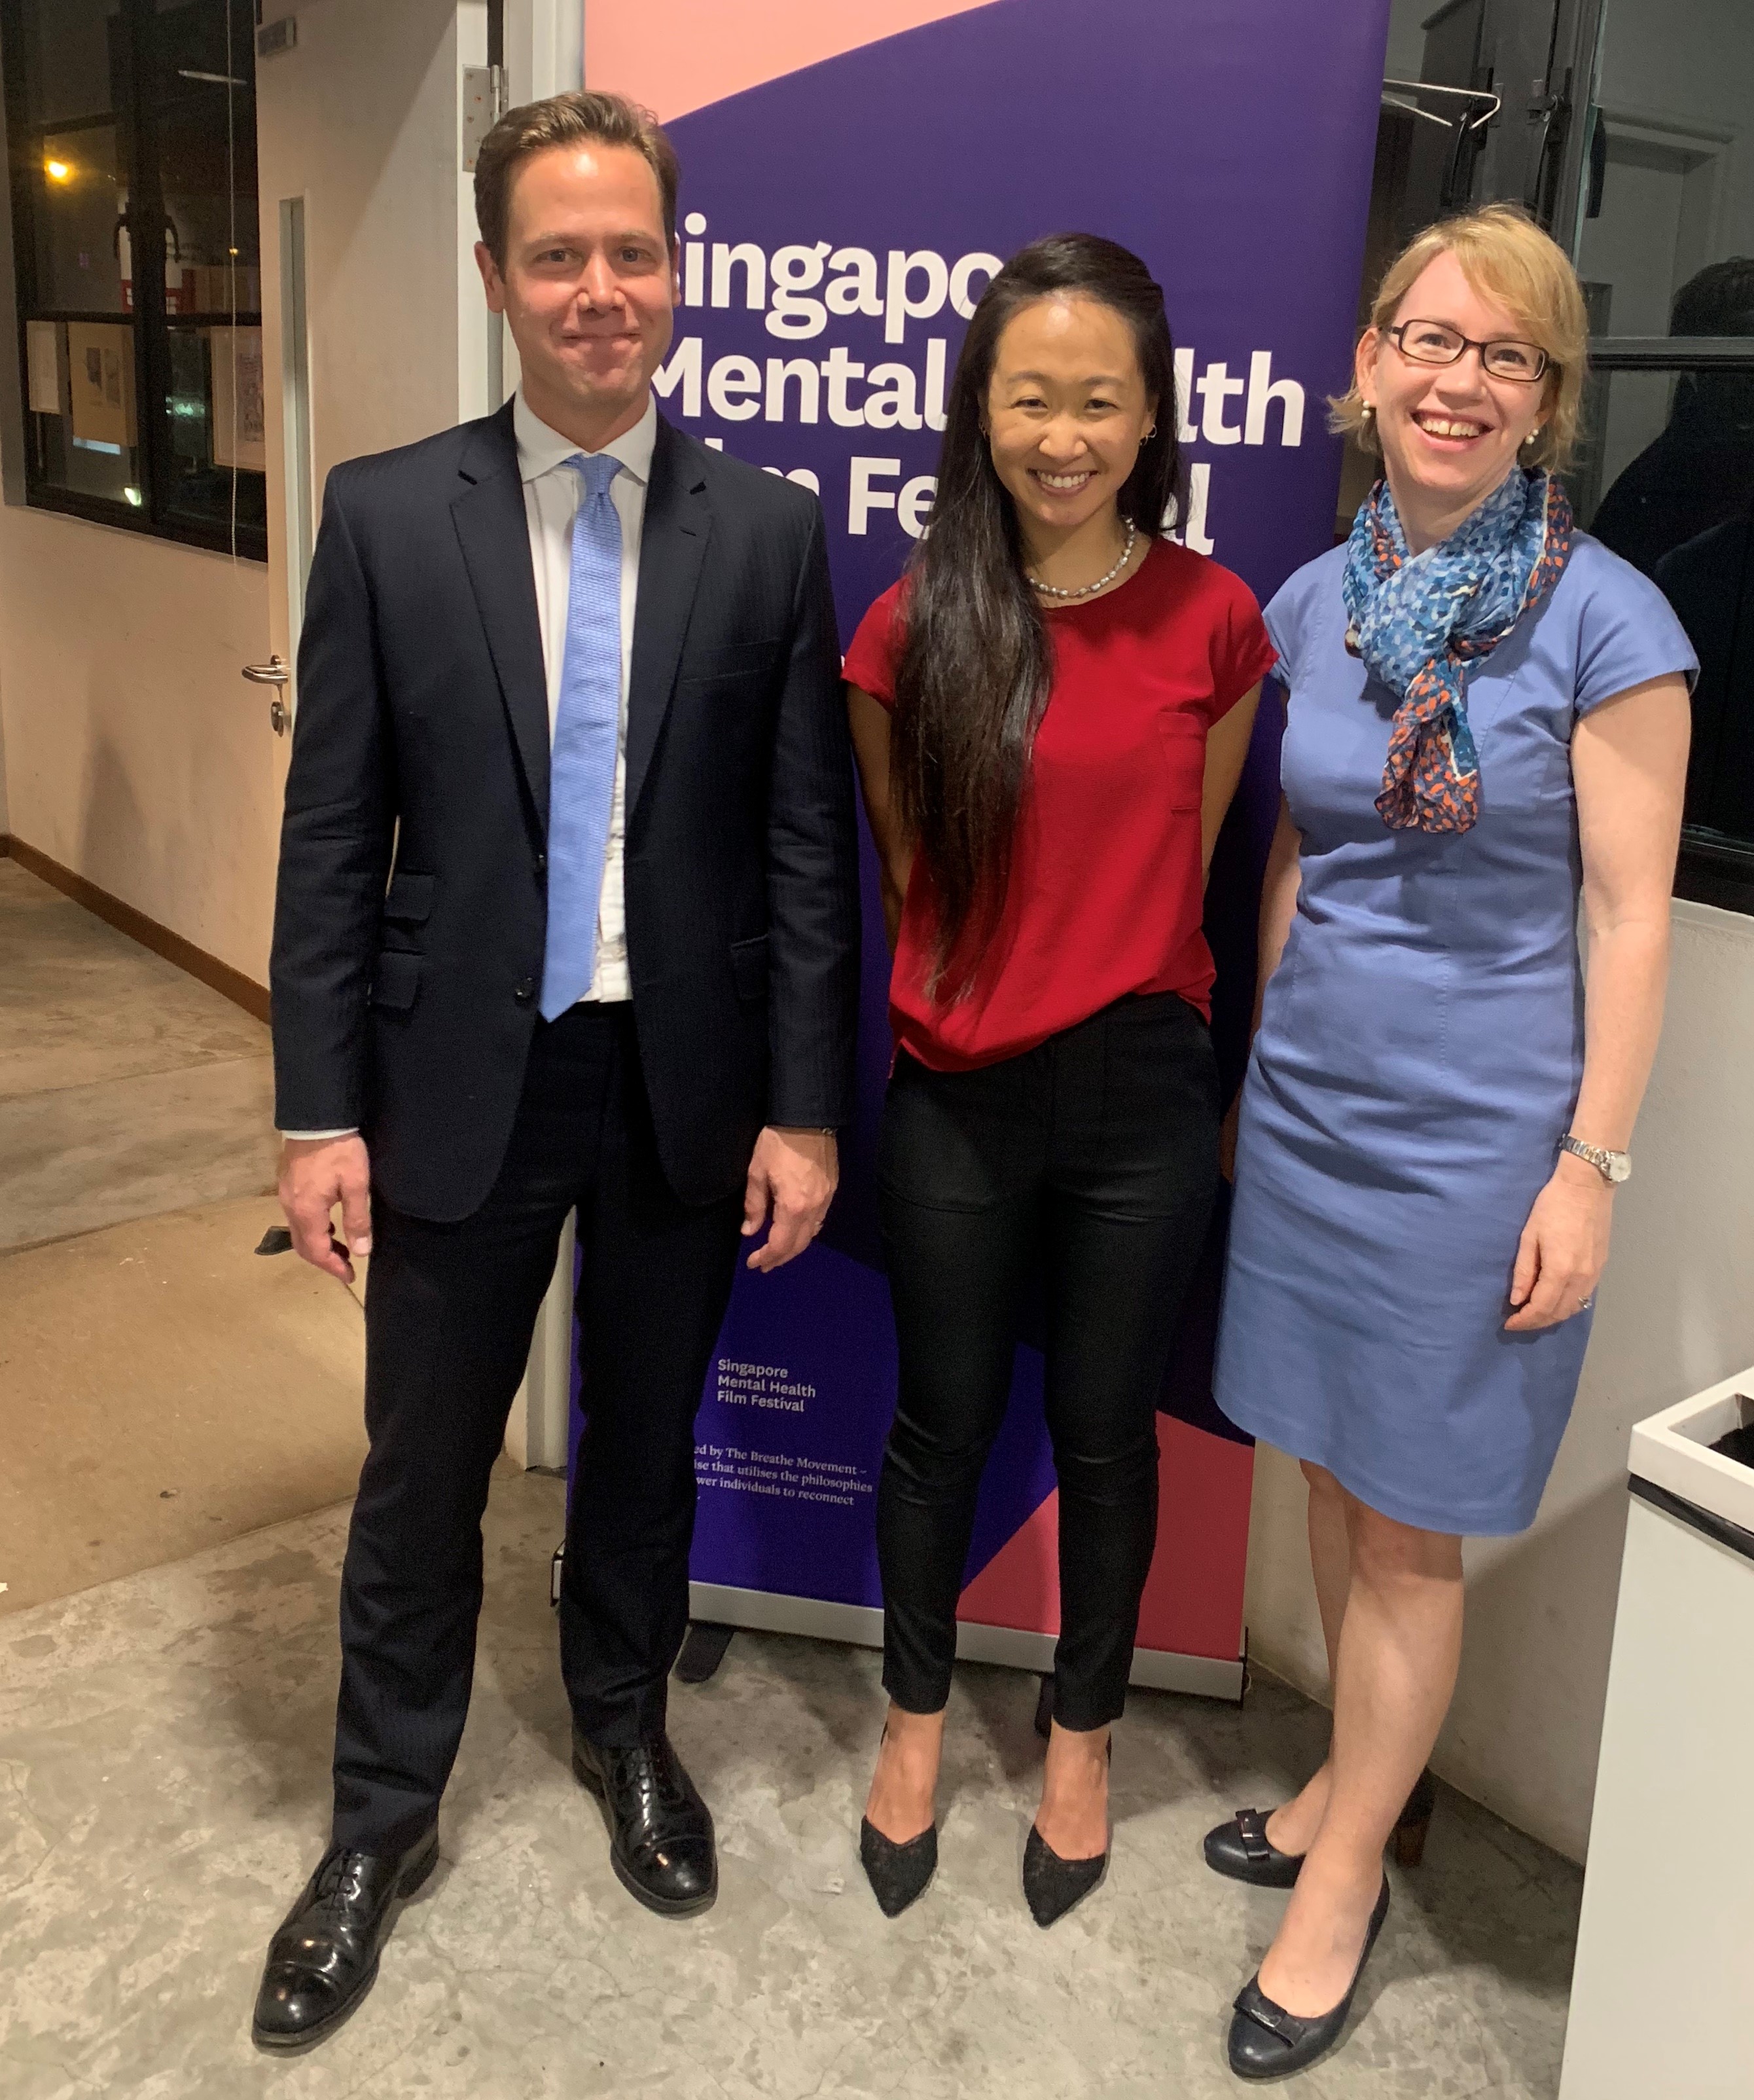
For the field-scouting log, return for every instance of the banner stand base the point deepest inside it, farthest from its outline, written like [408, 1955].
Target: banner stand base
[702, 1650]
[766, 1611]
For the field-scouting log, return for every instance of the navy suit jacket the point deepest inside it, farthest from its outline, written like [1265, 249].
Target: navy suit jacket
[410, 915]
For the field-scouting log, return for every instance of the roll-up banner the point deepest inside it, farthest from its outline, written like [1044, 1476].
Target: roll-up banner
[853, 173]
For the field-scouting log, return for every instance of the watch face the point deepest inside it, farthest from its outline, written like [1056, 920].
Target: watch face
[1620, 1166]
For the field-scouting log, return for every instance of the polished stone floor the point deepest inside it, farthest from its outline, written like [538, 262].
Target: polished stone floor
[163, 1745]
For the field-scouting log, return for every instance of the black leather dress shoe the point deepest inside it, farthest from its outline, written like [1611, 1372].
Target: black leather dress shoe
[323, 1959]
[660, 1831]
[1266, 2042]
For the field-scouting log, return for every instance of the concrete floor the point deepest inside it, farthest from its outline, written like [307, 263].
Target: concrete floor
[167, 1389]
[167, 1685]
[127, 1087]
[163, 1791]
[162, 1389]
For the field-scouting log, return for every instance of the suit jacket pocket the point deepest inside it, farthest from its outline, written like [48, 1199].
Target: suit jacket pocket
[409, 896]
[749, 967]
[740, 662]
[396, 979]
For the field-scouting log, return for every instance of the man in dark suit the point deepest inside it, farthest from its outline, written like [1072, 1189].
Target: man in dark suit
[567, 916]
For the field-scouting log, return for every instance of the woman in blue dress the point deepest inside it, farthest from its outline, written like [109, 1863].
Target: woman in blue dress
[1487, 720]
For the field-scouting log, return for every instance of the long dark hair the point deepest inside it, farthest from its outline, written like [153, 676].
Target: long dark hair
[972, 682]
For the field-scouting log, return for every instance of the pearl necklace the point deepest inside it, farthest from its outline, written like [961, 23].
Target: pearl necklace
[1084, 590]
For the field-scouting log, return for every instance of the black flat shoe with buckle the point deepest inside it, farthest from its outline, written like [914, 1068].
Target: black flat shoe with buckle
[1242, 1851]
[660, 1831]
[324, 1960]
[1267, 2042]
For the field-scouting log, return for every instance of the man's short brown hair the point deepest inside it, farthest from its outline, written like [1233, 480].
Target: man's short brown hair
[587, 116]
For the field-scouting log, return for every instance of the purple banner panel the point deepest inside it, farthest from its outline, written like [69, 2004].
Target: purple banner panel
[838, 224]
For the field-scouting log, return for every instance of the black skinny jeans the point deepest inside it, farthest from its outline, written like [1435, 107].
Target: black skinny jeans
[1096, 1152]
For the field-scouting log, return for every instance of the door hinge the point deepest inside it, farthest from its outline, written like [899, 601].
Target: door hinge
[483, 105]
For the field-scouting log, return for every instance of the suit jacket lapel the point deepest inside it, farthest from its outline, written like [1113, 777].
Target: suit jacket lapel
[494, 533]
[673, 546]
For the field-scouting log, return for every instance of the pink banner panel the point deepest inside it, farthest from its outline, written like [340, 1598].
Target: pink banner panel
[675, 56]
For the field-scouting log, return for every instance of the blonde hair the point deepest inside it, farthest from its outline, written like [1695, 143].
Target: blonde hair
[1505, 256]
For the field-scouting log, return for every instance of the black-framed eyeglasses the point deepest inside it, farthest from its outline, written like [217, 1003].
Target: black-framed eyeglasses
[1433, 342]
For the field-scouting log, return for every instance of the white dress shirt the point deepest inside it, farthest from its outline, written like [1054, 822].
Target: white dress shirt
[551, 490]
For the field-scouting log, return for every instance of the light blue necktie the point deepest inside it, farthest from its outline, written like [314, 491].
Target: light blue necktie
[587, 723]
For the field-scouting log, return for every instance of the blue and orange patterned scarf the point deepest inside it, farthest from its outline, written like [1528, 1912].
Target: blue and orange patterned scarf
[1419, 621]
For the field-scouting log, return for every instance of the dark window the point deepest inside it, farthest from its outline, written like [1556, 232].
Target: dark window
[1620, 123]
[1664, 243]
[132, 128]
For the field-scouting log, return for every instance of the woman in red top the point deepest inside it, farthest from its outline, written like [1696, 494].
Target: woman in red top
[1050, 713]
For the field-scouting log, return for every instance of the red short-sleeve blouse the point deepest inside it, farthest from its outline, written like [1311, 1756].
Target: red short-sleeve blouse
[1106, 891]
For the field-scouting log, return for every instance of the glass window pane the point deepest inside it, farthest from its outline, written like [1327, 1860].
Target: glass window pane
[1671, 190]
[1710, 582]
[1667, 481]
[84, 261]
[80, 395]
[204, 122]
[1667, 456]
[72, 59]
[217, 439]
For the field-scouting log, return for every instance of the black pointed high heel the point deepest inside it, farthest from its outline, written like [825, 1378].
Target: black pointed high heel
[1241, 1850]
[1051, 1886]
[899, 1874]
[1266, 2041]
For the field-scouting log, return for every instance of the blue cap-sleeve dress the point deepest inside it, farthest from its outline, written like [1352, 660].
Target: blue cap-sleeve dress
[1418, 1060]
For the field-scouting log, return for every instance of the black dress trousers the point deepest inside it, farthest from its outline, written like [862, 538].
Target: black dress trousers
[450, 1311]
[1093, 1160]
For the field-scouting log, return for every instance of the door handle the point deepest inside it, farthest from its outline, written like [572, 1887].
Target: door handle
[274, 672]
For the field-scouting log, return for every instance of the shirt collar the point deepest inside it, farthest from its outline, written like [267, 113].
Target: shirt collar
[540, 449]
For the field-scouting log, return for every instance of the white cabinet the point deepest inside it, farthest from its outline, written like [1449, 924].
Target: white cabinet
[1661, 1992]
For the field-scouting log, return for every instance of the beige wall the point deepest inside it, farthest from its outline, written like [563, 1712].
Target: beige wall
[1674, 1314]
[136, 753]
[5, 826]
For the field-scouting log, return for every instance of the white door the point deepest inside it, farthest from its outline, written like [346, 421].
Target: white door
[364, 236]
[375, 331]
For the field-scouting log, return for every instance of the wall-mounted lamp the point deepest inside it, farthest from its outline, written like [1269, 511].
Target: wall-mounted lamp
[59, 171]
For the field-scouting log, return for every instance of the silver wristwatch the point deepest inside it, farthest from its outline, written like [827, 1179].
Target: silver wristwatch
[1613, 1167]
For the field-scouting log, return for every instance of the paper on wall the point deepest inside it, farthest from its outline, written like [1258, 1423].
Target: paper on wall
[239, 425]
[46, 362]
[100, 368]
